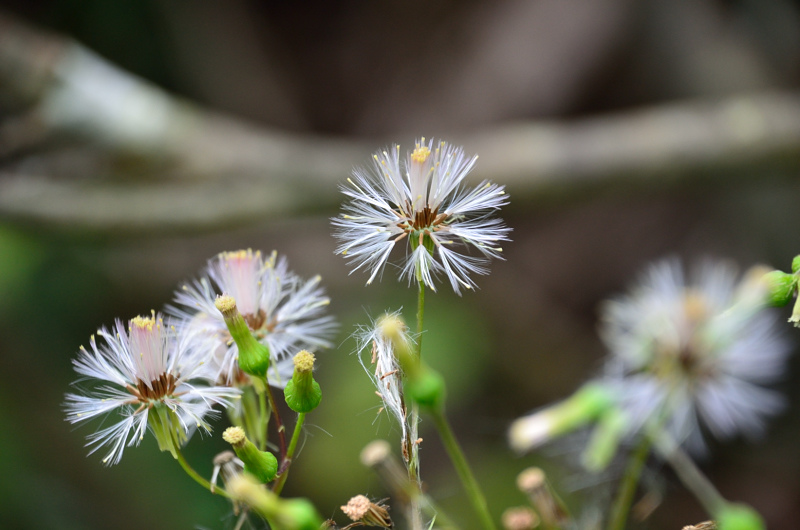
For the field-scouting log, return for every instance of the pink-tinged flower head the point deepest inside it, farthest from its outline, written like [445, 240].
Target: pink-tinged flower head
[283, 311]
[148, 376]
[422, 203]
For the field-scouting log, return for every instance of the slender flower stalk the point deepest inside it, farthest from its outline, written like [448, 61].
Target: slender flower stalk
[287, 461]
[196, 476]
[471, 486]
[422, 203]
[630, 480]
[151, 379]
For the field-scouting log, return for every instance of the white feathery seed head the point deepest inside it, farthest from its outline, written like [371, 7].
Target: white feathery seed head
[379, 341]
[694, 352]
[137, 372]
[283, 311]
[422, 203]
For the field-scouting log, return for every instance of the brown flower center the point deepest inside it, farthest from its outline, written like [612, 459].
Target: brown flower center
[422, 219]
[161, 387]
[258, 322]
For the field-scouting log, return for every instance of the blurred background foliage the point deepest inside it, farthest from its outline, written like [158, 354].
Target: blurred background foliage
[353, 77]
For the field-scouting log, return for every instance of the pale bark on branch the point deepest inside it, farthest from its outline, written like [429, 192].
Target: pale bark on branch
[196, 169]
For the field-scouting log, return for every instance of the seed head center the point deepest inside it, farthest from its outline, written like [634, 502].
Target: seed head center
[159, 388]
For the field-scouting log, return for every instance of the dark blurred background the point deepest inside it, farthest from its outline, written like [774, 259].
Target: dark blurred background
[112, 192]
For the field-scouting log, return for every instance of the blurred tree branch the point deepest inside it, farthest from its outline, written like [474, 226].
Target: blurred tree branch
[88, 146]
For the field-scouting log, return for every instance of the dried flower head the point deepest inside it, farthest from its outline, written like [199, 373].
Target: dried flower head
[148, 376]
[226, 465]
[520, 518]
[381, 340]
[695, 352]
[423, 201]
[361, 510]
[282, 311]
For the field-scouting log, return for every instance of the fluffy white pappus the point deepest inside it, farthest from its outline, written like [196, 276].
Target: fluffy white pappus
[422, 204]
[383, 367]
[133, 370]
[695, 352]
[283, 311]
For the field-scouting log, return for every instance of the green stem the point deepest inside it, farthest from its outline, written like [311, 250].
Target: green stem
[622, 504]
[263, 416]
[462, 467]
[420, 318]
[278, 422]
[301, 418]
[197, 478]
[433, 511]
[691, 476]
[414, 508]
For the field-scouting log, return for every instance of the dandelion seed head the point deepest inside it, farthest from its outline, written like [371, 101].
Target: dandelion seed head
[380, 339]
[144, 375]
[697, 351]
[421, 203]
[282, 311]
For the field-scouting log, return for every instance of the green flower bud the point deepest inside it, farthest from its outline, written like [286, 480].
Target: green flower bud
[261, 464]
[780, 287]
[796, 264]
[586, 405]
[298, 514]
[739, 517]
[422, 383]
[302, 393]
[426, 386]
[605, 440]
[253, 356]
[282, 514]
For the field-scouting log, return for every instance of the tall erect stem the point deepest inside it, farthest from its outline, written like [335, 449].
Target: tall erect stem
[420, 317]
[462, 467]
[691, 476]
[415, 512]
[414, 422]
[278, 422]
[298, 427]
[622, 504]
